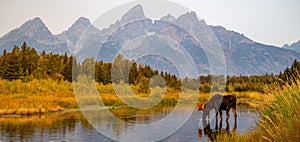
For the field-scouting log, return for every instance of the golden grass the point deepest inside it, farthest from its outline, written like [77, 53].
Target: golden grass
[17, 97]
[35, 104]
[35, 97]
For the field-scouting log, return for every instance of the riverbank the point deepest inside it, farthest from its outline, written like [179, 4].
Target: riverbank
[46, 96]
[35, 104]
[41, 104]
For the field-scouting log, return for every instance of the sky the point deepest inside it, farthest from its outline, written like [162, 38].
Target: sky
[273, 22]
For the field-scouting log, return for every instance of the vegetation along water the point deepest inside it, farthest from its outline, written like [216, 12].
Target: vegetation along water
[32, 83]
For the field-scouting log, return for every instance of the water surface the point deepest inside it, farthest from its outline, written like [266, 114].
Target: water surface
[73, 126]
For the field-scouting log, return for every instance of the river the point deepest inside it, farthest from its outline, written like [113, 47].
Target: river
[73, 126]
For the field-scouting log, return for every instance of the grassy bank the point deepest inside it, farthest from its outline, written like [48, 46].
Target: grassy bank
[42, 96]
[279, 120]
[35, 97]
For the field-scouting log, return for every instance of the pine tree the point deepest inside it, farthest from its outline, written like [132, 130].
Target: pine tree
[14, 69]
[3, 64]
[98, 72]
[133, 74]
[33, 58]
[67, 71]
[24, 54]
[106, 73]
[143, 86]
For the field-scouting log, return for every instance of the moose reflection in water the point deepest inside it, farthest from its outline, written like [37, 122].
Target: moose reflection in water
[212, 133]
[218, 103]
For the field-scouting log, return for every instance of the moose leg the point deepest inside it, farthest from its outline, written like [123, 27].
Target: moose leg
[216, 117]
[221, 118]
[227, 114]
[220, 128]
[217, 112]
[234, 111]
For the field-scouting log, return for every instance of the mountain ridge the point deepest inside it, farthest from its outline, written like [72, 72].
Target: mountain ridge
[243, 56]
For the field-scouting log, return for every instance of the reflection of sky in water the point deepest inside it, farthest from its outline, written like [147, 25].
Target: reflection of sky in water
[137, 132]
[75, 128]
[190, 131]
[246, 119]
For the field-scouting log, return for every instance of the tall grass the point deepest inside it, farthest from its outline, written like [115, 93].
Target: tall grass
[36, 87]
[36, 96]
[16, 96]
[280, 120]
[52, 95]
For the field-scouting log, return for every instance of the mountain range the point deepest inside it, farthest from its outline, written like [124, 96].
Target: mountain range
[295, 46]
[243, 56]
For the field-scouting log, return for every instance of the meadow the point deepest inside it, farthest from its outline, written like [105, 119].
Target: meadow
[47, 95]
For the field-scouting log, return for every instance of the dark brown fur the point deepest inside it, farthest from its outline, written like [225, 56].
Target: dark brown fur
[219, 103]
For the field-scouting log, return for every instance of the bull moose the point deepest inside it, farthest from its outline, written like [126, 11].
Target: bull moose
[219, 103]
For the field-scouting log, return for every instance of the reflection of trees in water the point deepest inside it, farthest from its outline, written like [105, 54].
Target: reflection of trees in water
[24, 127]
[56, 126]
[102, 121]
[142, 116]
[130, 115]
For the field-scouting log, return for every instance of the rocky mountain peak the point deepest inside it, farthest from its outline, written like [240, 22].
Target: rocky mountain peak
[81, 22]
[34, 26]
[168, 18]
[73, 34]
[135, 13]
[37, 20]
[78, 27]
[285, 46]
[294, 46]
[188, 18]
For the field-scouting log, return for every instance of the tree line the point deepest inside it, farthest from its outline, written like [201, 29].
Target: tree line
[26, 64]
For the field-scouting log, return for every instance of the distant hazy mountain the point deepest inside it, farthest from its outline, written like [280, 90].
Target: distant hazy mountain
[295, 46]
[36, 34]
[72, 35]
[243, 56]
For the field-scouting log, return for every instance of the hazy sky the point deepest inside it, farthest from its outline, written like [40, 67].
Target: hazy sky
[274, 22]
